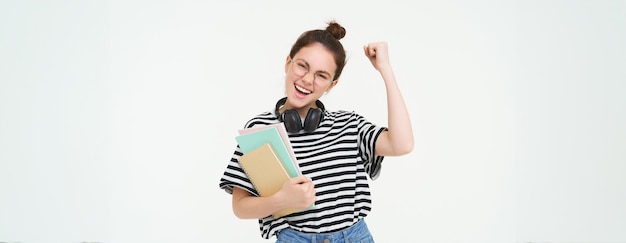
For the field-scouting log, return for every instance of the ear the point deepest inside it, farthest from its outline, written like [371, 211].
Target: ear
[287, 62]
[332, 85]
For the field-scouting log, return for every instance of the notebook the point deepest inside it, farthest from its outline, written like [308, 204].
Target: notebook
[283, 134]
[266, 172]
[255, 137]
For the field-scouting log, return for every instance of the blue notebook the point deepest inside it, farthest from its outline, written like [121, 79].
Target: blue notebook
[252, 140]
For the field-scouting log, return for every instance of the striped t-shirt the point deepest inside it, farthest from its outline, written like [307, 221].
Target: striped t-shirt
[337, 157]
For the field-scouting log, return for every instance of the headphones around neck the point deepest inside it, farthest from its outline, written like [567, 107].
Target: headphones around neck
[291, 118]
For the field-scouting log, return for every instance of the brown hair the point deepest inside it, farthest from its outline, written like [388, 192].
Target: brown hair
[329, 38]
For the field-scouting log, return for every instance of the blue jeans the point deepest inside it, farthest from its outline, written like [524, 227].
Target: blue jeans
[357, 233]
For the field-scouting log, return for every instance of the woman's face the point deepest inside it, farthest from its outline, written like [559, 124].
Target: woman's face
[308, 76]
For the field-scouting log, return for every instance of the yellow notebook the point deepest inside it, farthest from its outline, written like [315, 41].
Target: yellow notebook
[266, 172]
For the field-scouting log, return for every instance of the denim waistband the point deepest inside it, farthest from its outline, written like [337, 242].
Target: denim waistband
[358, 232]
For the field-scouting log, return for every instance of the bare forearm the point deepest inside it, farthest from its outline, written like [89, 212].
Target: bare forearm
[296, 193]
[398, 140]
[399, 123]
[247, 206]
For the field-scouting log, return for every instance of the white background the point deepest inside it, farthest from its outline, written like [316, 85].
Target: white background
[117, 118]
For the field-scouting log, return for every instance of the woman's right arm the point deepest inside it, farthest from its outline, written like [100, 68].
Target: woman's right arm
[298, 193]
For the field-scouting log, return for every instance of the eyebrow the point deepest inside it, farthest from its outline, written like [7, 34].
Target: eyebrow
[309, 67]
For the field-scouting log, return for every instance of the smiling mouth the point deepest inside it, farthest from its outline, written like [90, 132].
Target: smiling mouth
[303, 90]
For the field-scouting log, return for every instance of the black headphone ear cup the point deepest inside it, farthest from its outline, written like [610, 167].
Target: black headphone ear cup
[292, 121]
[313, 119]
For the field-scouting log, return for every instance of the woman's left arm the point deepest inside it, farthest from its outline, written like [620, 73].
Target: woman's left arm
[398, 139]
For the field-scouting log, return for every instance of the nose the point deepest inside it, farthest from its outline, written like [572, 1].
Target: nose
[307, 79]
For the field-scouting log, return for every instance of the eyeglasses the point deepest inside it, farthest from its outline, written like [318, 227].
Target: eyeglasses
[301, 68]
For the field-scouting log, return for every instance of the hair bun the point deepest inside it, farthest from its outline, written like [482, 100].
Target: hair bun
[336, 30]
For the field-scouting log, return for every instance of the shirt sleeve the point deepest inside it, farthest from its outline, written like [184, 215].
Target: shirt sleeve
[368, 134]
[235, 176]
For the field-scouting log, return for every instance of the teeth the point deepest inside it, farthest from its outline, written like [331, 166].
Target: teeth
[303, 90]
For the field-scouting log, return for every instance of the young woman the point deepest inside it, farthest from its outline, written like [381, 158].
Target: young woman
[336, 150]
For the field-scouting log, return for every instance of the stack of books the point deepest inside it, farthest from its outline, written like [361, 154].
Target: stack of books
[268, 159]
